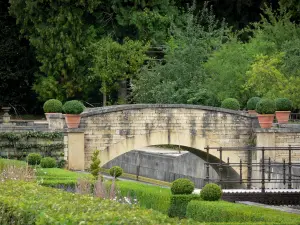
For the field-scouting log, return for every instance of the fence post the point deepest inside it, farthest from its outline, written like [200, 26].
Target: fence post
[263, 170]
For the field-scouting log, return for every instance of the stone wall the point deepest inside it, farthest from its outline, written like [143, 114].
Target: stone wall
[119, 129]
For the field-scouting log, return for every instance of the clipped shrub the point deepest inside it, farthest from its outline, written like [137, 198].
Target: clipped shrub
[231, 103]
[52, 106]
[283, 104]
[211, 192]
[61, 163]
[265, 106]
[48, 162]
[179, 204]
[34, 158]
[251, 104]
[95, 165]
[73, 107]
[182, 186]
[115, 171]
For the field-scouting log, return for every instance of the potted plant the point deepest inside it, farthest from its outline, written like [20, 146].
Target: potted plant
[251, 105]
[52, 106]
[231, 103]
[72, 110]
[283, 109]
[265, 109]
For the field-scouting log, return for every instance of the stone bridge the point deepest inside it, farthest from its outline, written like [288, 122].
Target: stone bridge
[116, 130]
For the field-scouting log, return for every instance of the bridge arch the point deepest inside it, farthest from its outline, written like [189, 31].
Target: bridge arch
[118, 129]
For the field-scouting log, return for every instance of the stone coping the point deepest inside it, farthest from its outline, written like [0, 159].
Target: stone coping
[116, 108]
[278, 130]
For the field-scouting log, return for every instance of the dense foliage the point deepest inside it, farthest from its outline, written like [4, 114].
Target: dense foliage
[251, 103]
[230, 103]
[52, 106]
[266, 106]
[211, 192]
[73, 107]
[182, 186]
[162, 51]
[283, 104]
[115, 171]
[221, 211]
[29, 203]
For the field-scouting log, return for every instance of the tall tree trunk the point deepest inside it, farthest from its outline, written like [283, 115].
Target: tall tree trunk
[104, 99]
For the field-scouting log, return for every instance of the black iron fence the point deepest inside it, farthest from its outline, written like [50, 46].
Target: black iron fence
[264, 167]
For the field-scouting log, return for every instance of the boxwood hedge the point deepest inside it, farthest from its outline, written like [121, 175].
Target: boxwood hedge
[221, 211]
[28, 203]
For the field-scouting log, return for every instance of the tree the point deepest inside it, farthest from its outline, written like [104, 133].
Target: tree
[17, 63]
[113, 62]
[180, 78]
[58, 32]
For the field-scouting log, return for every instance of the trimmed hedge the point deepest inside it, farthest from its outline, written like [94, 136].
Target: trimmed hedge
[231, 103]
[283, 104]
[182, 186]
[179, 204]
[29, 203]
[52, 106]
[251, 104]
[73, 107]
[211, 192]
[265, 106]
[221, 211]
[48, 162]
[148, 196]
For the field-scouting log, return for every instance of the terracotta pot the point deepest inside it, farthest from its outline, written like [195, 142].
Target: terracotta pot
[265, 120]
[283, 116]
[252, 112]
[72, 120]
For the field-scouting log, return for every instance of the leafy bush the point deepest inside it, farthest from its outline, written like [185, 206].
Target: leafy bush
[179, 203]
[221, 211]
[211, 192]
[48, 162]
[52, 106]
[283, 104]
[251, 104]
[115, 171]
[231, 103]
[265, 106]
[61, 163]
[34, 158]
[95, 165]
[73, 107]
[30, 203]
[182, 186]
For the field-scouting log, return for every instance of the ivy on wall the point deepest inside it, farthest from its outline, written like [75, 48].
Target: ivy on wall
[20, 144]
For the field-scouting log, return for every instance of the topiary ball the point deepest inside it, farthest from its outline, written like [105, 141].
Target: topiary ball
[231, 103]
[52, 106]
[211, 192]
[34, 158]
[182, 186]
[265, 106]
[251, 104]
[73, 107]
[48, 162]
[283, 104]
[115, 171]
